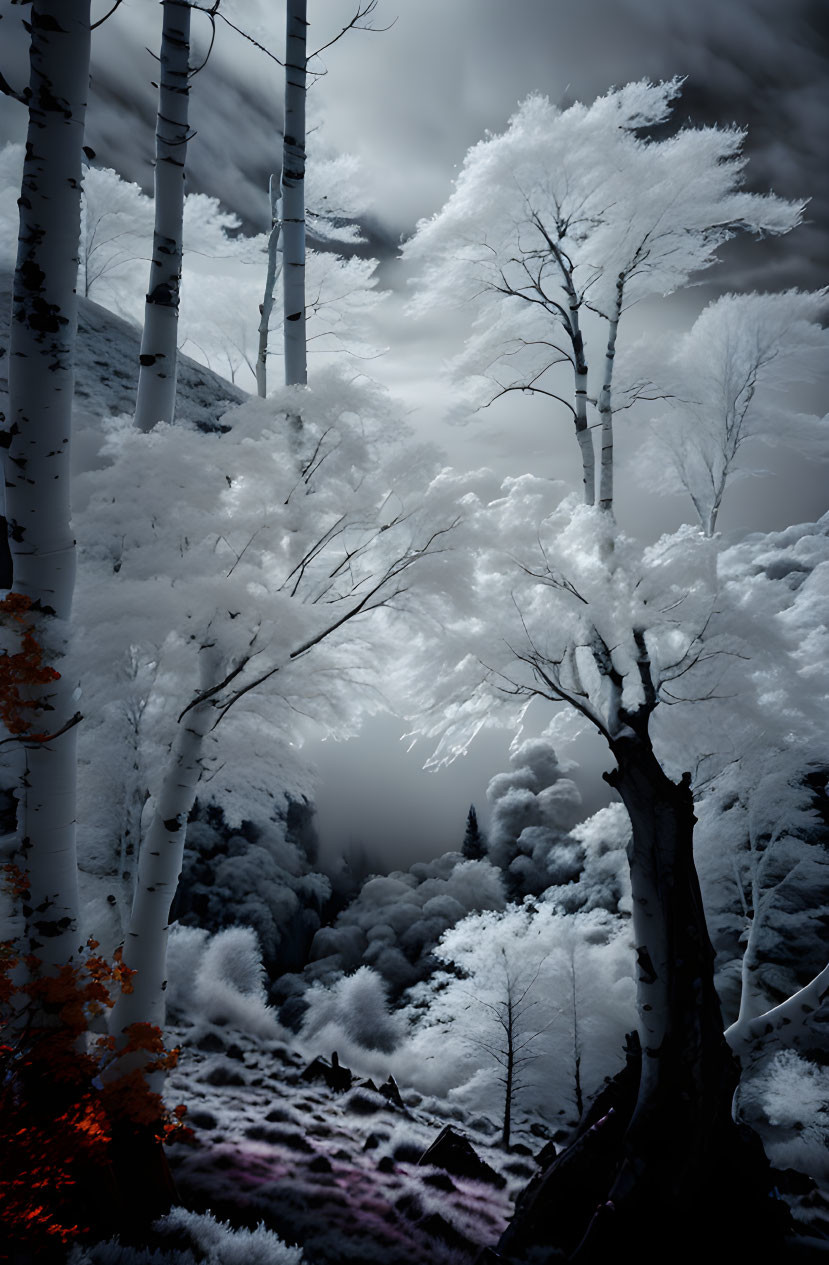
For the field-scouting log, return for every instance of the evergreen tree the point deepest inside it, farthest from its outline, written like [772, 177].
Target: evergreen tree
[474, 842]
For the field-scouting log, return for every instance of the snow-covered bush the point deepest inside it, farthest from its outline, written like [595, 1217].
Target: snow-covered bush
[792, 1093]
[230, 983]
[213, 1243]
[355, 1006]
[219, 979]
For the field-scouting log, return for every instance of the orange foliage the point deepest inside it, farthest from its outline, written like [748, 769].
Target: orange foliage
[22, 670]
[62, 1095]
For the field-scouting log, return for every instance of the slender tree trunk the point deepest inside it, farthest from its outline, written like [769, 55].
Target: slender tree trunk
[584, 436]
[605, 404]
[156, 398]
[41, 382]
[270, 284]
[509, 1077]
[159, 866]
[293, 197]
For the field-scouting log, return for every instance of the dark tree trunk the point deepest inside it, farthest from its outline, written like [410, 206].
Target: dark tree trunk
[663, 1173]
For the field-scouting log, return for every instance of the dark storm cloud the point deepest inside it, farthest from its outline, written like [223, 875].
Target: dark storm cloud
[412, 100]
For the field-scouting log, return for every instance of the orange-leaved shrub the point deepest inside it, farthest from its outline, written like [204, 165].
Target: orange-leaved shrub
[62, 1095]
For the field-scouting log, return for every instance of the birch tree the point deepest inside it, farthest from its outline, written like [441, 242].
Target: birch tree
[156, 396]
[729, 381]
[292, 183]
[242, 570]
[568, 214]
[550, 238]
[292, 187]
[37, 463]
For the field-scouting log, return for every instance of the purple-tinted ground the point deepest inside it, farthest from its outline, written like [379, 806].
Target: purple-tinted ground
[336, 1173]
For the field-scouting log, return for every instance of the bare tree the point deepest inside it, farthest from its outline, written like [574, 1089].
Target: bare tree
[512, 1045]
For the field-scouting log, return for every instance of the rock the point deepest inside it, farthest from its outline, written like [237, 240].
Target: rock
[407, 1153]
[372, 1142]
[390, 1091]
[210, 1043]
[385, 1164]
[317, 1070]
[452, 1152]
[368, 1084]
[235, 1052]
[277, 1116]
[337, 1078]
[320, 1165]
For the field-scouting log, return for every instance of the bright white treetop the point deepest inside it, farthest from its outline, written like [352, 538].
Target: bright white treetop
[728, 380]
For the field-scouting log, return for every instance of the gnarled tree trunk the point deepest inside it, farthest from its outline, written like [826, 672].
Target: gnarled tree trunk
[664, 1172]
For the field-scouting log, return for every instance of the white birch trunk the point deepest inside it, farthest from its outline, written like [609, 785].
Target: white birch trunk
[583, 434]
[159, 866]
[293, 197]
[41, 383]
[606, 406]
[270, 284]
[786, 1025]
[156, 397]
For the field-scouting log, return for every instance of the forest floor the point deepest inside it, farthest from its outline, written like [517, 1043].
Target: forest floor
[338, 1173]
[335, 1172]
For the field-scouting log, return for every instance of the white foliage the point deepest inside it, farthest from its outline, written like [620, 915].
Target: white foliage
[185, 954]
[260, 547]
[355, 1006]
[214, 1243]
[729, 380]
[229, 984]
[451, 1015]
[550, 216]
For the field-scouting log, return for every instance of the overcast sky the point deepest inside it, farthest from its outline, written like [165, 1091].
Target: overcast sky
[410, 102]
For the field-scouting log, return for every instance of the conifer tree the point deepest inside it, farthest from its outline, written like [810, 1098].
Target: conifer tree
[474, 842]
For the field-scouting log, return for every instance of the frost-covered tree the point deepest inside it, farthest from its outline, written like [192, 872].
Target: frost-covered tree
[560, 224]
[243, 568]
[530, 995]
[729, 380]
[116, 235]
[568, 213]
